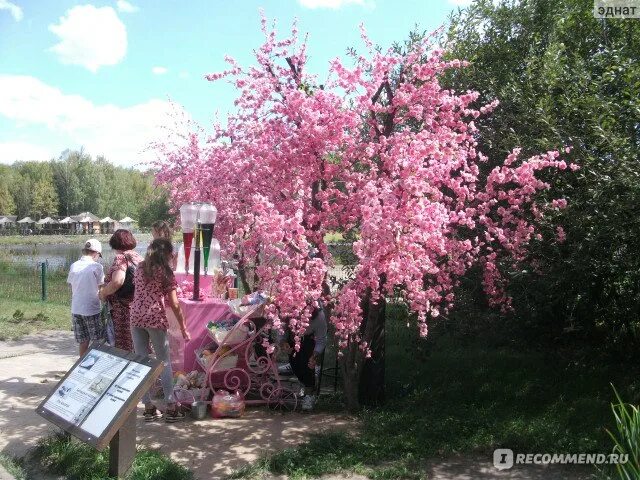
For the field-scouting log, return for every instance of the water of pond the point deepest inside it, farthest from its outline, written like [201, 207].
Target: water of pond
[58, 256]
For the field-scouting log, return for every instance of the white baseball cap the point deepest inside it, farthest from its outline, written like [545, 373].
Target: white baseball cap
[93, 245]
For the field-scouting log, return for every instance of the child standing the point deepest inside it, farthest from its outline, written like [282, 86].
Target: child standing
[85, 277]
[154, 280]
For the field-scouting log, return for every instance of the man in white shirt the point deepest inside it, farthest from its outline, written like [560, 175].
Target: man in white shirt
[85, 277]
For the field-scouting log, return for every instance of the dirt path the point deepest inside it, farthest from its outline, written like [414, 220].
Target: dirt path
[211, 448]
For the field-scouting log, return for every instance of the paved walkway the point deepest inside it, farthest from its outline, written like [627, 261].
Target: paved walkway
[211, 448]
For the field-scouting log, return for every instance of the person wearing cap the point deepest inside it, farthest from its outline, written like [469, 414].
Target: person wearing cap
[85, 277]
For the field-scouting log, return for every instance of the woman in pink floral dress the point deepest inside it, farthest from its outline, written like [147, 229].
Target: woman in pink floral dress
[123, 242]
[154, 282]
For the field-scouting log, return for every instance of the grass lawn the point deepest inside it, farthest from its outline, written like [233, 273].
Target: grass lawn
[458, 393]
[18, 318]
[12, 467]
[60, 454]
[21, 309]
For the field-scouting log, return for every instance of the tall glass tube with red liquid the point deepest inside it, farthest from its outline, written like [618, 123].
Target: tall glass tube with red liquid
[188, 215]
[207, 220]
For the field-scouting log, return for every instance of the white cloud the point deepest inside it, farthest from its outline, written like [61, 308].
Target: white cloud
[126, 7]
[159, 70]
[461, 3]
[91, 37]
[121, 134]
[333, 4]
[14, 10]
[14, 151]
[183, 75]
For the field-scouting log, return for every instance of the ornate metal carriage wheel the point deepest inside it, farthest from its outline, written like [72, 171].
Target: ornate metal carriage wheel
[282, 400]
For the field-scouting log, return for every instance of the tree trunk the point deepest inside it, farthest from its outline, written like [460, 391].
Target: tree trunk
[351, 369]
[371, 383]
[351, 380]
[244, 280]
[363, 377]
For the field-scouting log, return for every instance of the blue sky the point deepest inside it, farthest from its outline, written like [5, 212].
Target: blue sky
[100, 74]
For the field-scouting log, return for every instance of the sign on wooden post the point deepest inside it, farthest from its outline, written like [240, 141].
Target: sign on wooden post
[96, 401]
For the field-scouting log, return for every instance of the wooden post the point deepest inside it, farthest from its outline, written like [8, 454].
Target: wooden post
[122, 448]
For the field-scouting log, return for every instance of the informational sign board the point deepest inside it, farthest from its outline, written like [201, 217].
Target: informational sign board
[97, 395]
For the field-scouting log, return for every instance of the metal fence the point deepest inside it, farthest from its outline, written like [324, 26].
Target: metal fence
[33, 283]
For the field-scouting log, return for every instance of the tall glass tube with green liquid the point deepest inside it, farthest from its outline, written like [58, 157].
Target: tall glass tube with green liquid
[207, 236]
[207, 217]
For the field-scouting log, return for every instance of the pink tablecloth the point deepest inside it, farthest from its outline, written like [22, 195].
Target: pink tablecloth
[197, 315]
[205, 281]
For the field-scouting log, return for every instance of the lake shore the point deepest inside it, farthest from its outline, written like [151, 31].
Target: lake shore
[59, 239]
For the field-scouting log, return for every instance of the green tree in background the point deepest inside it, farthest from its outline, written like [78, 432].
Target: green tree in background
[566, 78]
[22, 192]
[7, 204]
[67, 182]
[155, 208]
[75, 183]
[45, 199]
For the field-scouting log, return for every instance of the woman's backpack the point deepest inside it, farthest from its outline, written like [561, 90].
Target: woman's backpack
[125, 292]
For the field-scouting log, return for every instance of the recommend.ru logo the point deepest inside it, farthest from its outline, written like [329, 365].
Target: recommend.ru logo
[504, 458]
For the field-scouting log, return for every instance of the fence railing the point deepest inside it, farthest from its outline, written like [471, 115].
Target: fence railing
[33, 283]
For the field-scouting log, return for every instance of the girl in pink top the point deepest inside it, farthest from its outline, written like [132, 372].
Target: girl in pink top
[154, 280]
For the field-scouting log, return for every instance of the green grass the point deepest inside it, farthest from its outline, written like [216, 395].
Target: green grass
[13, 467]
[62, 455]
[21, 309]
[456, 393]
[19, 318]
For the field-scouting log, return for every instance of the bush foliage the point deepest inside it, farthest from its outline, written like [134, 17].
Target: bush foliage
[565, 78]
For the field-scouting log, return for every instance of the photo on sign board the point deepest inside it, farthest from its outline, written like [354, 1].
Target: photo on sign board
[64, 389]
[100, 384]
[89, 361]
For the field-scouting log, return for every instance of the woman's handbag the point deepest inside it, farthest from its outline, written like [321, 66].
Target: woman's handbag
[107, 321]
[125, 292]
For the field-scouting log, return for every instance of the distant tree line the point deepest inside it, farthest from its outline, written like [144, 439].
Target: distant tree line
[75, 183]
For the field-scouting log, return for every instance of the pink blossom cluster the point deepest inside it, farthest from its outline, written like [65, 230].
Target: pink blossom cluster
[380, 149]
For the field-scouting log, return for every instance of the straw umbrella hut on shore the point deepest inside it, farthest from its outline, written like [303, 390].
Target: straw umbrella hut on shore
[89, 223]
[127, 223]
[107, 225]
[47, 225]
[7, 221]
[26, 224]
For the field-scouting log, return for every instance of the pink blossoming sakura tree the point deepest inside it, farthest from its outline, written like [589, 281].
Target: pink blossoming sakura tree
[380, 150]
